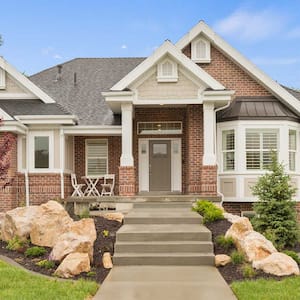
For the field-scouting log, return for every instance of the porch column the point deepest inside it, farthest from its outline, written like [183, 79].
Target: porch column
[127, 182]
[209, 168]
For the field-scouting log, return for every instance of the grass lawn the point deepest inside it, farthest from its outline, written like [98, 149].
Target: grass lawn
[19, 284]
[263, 289]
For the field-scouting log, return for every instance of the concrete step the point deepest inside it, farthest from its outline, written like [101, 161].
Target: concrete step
[178, 259]
[165, 204]
[162, 216]
[163, 232]
[163, 247]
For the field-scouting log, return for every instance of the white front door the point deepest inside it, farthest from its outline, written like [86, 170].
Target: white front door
[169, 179]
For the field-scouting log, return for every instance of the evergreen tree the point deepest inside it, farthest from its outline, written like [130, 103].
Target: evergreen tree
[276, 216]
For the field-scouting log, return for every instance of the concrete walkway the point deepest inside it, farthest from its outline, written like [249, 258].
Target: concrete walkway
[164, 283]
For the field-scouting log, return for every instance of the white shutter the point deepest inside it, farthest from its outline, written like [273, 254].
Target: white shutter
[97, 156]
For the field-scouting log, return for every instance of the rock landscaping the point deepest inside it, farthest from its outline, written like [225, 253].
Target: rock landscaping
[60, 245]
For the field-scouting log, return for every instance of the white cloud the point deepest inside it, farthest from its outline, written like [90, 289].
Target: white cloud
[47, 50]
[251, 25]
[124, 46]
[276, 61]
[294, 33]
[57, 56]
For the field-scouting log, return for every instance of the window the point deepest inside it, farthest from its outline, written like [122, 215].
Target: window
[201, 50]
[96, 157]
[159, 128]
[167, 71]
[228, 148]
[259, 147]
[41, 152]
[292, 150]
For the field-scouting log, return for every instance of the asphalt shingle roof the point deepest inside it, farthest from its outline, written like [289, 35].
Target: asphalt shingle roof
[93, 76]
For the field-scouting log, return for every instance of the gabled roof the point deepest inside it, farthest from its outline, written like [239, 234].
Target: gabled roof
[276, 89]
[93, 76]
[23, 80]
[167, 48]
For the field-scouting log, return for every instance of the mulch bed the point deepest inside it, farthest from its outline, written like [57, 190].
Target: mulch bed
[232, 272]
[101, 245]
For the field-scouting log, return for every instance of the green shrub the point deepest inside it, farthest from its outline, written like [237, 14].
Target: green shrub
[91, 274]
[293, 255]
[275, 210]
[226, 243]
[248, 271]
[237, 257]
[35, 251]
[46, 264]
[208, 211]
[16, 244]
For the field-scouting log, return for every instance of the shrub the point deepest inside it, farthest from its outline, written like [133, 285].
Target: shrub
[208, 210]
[46, 264]
[35, 251]
[226, 243]
[16, 244]
[237, 257]
[275, 210]
[248, 271]
[91, 274]
[105, 233]
[293, 255]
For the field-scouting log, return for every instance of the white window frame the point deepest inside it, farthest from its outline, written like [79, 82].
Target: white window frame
[86, 157]
[224, 151]
[160, 132]
[194, 56]
[261, 150]
[32, 136]
[161, 77]
[294, 151]
[2, 79]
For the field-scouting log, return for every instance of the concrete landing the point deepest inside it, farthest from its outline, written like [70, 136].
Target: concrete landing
[164, 283]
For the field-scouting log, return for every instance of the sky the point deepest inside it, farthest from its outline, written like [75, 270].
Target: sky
[39, 34]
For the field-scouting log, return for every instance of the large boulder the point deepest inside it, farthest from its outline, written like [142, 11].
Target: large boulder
[239, 228]
[73, 264]
[50, 224]
[278, 264]
[230, 217]
[222, 260]
[79, 238]
[18, 222]
[255, 246]
[1, 222]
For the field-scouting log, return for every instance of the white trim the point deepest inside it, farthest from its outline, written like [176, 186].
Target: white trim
[179, 131]
[271, 85]
[5, 116]
[194, 50]
[13, 126]
[176, 164]
[25, 81]
[62, 162]
[31, 136]
[16, 96]
[115, 130]
[167, 48]
[167, 78]
[2, 79]
[46, 119]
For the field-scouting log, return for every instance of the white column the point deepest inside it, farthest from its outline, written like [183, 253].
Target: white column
[126, 157]
[62, 163]
[209, 156]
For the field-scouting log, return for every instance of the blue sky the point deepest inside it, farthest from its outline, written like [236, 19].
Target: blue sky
[41, 33]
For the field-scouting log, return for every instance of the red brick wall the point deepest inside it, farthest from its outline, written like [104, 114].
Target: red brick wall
[237, 207]
[230, 74]
[209, 180]
[114, 154]
[127, 183]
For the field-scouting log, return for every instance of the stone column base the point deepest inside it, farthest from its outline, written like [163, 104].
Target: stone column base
[127, 181]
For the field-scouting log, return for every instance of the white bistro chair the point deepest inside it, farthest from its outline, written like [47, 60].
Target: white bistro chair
[76, 186]
[108, 185]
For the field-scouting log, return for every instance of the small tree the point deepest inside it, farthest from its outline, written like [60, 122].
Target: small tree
[275, 210]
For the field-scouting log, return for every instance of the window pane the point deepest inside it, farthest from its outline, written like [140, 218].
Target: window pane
[160, 128]
[253, 160]
[97, 153]
[228, 140]
[252, 140]
[41, 152]
[96, 166]
[267, 159]
[292, 161]
[292, 140]
[269, 140]
[228, 160]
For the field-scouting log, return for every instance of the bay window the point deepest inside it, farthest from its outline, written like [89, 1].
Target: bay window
[292, 150]
[228, 150]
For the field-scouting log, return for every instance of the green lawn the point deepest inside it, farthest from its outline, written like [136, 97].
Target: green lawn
[19, 284]
[262, 289]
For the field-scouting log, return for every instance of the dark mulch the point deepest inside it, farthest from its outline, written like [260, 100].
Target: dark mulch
[101, 245]
[232, 272]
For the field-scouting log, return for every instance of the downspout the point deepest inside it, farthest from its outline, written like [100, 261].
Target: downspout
[27, 191]
[215, 142]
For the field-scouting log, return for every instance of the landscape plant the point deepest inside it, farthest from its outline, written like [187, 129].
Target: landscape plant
[294, 255]
[35, 251]
[47, 264]
[237, 257]
[226, 243]
[208, 211]
[275, 210]
[248, 271]
[16, 244]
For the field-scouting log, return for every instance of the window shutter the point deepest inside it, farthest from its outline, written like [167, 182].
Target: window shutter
[97, 154]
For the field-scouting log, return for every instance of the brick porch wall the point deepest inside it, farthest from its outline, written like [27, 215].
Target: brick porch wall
[127, 183]
[236, 207]
[114, 154]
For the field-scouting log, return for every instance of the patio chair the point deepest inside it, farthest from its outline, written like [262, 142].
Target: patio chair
[108, 185]
[76, 186]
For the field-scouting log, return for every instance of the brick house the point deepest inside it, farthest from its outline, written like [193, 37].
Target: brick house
[195, 117]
